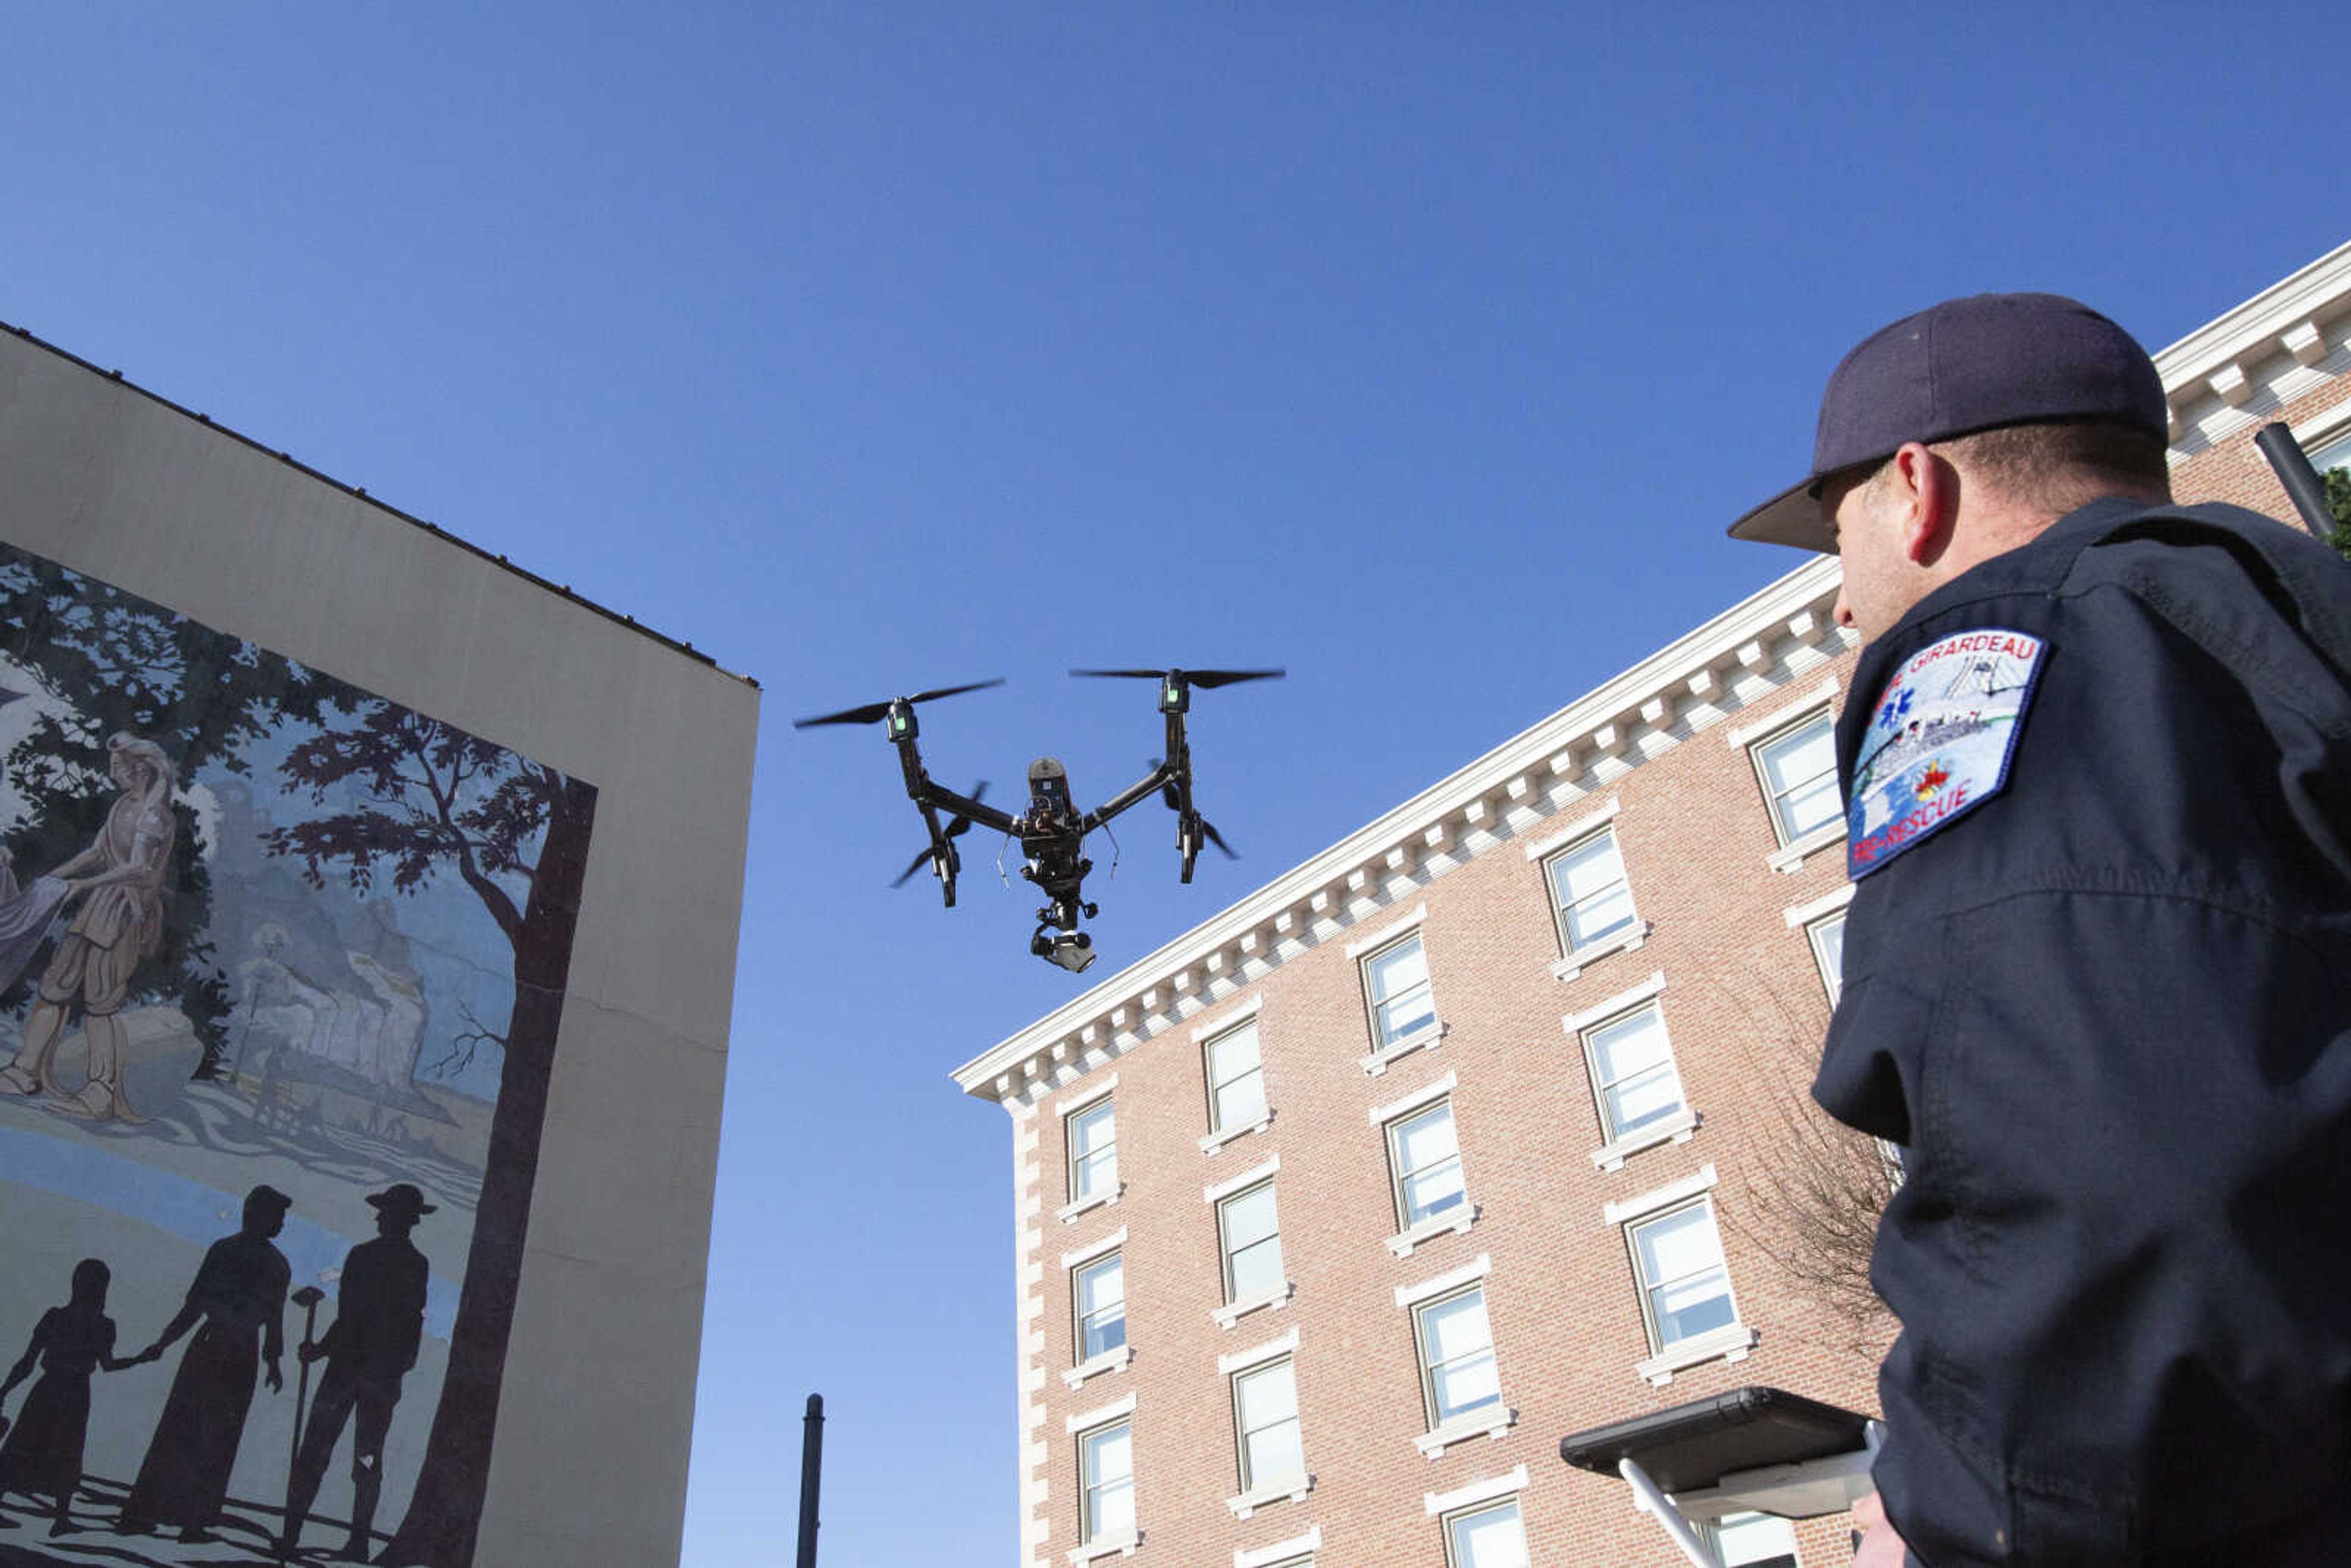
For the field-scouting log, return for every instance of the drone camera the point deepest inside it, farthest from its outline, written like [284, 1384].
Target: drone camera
[1073, 950]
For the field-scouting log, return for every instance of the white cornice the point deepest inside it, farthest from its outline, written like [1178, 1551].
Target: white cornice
[2244, 365]
[1781, 633]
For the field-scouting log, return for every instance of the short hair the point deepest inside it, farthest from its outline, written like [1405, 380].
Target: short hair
[2064, 463]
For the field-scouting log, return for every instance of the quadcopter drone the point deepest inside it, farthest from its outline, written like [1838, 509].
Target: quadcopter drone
[1052, 831]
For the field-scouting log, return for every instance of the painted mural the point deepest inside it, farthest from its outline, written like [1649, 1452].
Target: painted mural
[281, 968]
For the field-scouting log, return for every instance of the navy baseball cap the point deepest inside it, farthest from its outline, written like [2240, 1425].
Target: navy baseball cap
[1965, 365]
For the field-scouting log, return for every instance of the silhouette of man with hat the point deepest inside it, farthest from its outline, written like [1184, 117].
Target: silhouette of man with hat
[372, 1342]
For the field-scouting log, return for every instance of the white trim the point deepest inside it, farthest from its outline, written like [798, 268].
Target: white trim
[1583, 827]
[1233, 1019]
[1214, 1142]
[1623, 1001]
[1232, 1312]
[1487, 1490]
[1281, 1551]
[1801, 915]
[1242, 1360]
[1068, 1213]
[1287, 1489]
[1094, 1249]
[1656, 1198]
[1731, 1342]
[1415, 1100]
[1470, 1272]
[2316, 291]
[1780, 718]
[1380, 1060]
[1388, 933]
[1623, 939]
[2322, 429]
[1453, 1221]
[1785, 860]
[1461, 1428]
[1084, 1098]
[1255, 1174]
[1677, 1128]
[1108, 1361]
[1100, 1416]
[1092, 1550]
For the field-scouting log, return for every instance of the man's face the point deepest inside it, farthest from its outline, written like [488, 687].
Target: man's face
[1868, 530]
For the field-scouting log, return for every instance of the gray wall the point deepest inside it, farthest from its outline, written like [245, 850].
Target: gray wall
[590, 1459]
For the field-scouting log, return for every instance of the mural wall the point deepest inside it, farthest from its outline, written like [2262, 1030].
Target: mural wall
[281, 968]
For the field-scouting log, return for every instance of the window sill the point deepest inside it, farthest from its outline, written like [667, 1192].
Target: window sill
[1730, 1342]
[1108, 1361]
[1478, 1424]
[1068, 1212]
[1675, 1129]
[1291, 1489]
[1450, 1223]
[1590, 953]
[1232, 1312]
[1215, 1140]
[1786, 860]
[1380, 1060]
[1093, 1550]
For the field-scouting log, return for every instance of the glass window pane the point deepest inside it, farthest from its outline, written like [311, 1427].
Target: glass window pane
[1425, 1139]
[1405, 1016]
[1113, 1511]
[1800, 770]
[1456, 1328]
[1090, 1129]
[1432, 1191]
[1095, 1173]
[1267, 1397]
[1828, 945]
[1101, 1307]
[1241, 1102]
[1397, 969]
[1681, 1243]
[1630, 1044]
[1491, 1538]
[1256, 1270]
[1755, 1541]
[1250, 1216]
[1589, 868]
[1693, 1307]
[1273, 1453]
[1233, 1053]
[1636, 1102]
[1463, 1386]
[1608, 911]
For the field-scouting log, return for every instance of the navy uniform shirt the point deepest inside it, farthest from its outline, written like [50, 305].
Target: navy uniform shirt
[2097, 984]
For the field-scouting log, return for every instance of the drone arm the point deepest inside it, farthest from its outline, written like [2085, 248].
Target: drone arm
[1141, 790]
[929, 796]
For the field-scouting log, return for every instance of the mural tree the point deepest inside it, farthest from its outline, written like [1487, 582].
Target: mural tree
[516, 834]
[119, 662]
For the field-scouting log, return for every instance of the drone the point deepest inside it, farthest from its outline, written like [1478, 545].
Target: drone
[1052, 831]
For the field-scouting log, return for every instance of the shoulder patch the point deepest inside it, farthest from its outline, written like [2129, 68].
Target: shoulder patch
[1939, 741]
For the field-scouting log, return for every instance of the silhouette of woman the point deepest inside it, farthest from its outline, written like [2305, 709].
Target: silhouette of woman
[42, 1455]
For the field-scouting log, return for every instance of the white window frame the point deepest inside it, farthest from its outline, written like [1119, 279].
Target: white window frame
[1449, 1523]
[1221, 1197]
[1453, 1220]
[1794, 848]
[1256, 1490]
[1810, 919]
[1711, 1529]
[1816, 933]
[1220, 1131]
[1386, 1050]
[1074, 1110]
[1118, 1355]
[1089, 1430]
[1676, 1126]
[1727, 1342]
[1576, 957]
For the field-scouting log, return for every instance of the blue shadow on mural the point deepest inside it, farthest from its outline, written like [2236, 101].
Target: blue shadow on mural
[282, 965]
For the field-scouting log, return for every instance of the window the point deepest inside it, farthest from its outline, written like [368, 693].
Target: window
[1395, 979]
[1457, 1357]
[1265, 1416]
[2332, 458]
[1424, 1162]
[1106, 1483]
[1252, 1244]
[1798, 768]
[1100, 1290]
[1588, 891]
[1827, 935]
[1753, 1540]
[1236, 1080]
[1093, 1152]
[1633, 1072]
[1685, 1289]
[1490, 1537]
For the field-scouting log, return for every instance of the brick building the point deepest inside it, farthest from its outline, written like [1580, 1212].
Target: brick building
[1336, 1212]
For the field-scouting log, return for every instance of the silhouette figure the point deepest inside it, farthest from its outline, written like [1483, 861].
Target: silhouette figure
[119, 881]
[372, 1342]
[239, 1294]
[42, 1455]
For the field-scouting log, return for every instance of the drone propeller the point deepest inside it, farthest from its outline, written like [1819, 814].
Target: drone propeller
[1215, 837]
[1207, 680]
[872, 711]
[956, 827]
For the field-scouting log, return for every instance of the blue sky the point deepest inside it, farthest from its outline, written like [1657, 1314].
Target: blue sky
[1423, 350]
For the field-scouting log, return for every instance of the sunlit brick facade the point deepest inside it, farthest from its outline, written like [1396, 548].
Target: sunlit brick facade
[1336, 1213]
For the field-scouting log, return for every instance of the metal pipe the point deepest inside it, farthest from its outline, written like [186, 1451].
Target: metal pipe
[812, 1471]
[2303, 486]
[1651, 1500]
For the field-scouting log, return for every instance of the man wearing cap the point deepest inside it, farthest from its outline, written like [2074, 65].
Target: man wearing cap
[378, 1324]
[2097, 966]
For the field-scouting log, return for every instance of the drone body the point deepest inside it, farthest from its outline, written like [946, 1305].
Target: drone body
[1052, 830]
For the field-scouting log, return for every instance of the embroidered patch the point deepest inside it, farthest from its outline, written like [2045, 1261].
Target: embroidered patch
[1939, 741]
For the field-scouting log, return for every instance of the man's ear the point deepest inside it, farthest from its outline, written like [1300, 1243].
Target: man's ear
[1928, 489]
